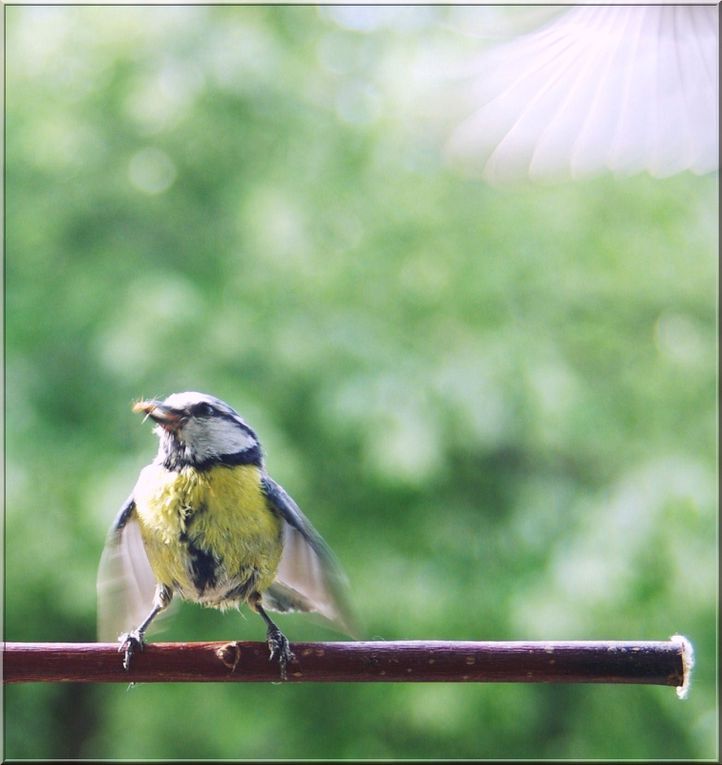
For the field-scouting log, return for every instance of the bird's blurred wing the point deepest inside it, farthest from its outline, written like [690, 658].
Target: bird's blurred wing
[625, 89]
[309, 577]
[126, 584]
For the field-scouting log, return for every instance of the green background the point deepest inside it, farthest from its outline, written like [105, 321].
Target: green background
[497, 405]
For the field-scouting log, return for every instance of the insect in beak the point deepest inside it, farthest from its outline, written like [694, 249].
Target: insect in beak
[167, 417]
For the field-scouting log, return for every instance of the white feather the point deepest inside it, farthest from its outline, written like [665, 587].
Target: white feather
[301, 569]
[319, 583]
[619, 88]
[126, 584]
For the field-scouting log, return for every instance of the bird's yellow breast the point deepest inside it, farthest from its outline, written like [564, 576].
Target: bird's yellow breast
[207, 533]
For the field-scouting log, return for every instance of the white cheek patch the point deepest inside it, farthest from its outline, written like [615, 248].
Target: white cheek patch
[215, 436]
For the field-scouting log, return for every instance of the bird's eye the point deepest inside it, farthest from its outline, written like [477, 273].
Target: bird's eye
[202, 410]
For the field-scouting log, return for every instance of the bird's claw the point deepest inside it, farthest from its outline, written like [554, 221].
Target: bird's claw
[280, 650]
[130, 643]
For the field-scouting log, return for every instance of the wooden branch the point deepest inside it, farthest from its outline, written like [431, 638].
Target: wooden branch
[656, 663]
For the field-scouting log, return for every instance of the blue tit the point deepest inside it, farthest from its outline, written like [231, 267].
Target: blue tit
[207, 523]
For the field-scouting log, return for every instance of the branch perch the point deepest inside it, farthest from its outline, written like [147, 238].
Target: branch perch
[649, 662]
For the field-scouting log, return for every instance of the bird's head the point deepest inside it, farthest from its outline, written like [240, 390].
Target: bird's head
[200, 431]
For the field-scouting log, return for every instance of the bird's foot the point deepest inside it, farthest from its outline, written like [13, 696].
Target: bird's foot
[130, 643]
[280, 650]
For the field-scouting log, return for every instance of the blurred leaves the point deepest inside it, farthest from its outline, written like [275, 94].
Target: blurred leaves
[498, 407]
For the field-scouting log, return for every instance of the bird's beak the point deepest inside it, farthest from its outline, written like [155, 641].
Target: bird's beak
[167, 417]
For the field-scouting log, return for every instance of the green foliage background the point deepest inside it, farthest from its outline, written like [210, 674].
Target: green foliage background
[498, 406]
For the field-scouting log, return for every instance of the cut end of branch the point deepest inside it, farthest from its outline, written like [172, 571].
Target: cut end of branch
[687, 653]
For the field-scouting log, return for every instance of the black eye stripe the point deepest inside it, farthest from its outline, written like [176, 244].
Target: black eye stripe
[202, 410]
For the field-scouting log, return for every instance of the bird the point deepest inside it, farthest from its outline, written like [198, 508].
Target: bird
[621, 89]
[207, 523]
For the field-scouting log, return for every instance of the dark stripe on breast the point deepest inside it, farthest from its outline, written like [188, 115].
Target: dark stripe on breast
[203, 568]
[203, 564]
